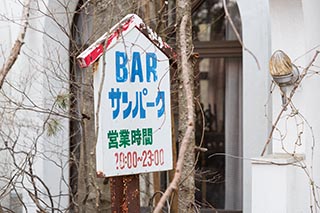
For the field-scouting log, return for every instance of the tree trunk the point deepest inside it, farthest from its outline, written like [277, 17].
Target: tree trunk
[91, 194]
[186, 103]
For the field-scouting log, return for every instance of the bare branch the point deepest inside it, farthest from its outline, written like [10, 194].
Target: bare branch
[238, 35]
[190, 128]
[15, 50]
[303, 74]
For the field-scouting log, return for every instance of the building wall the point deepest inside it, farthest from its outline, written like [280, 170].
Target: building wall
[297, 22]
[39, 75]
[293, 29]
[286, 19]
[311, 86]
[256, 81]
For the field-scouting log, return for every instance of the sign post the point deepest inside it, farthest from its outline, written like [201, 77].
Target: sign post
[132, 104]
[125, 194]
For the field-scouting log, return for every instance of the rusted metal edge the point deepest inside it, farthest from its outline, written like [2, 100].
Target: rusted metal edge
[109, 39]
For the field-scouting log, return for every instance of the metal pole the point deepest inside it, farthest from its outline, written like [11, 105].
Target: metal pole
[125, 194]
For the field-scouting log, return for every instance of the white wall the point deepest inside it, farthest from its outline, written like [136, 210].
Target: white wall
[294, 29]
[311, 86]
[300, 38]
[42, 72]
[287, 34]
[256, 37]
[279, 188]
[55, 49]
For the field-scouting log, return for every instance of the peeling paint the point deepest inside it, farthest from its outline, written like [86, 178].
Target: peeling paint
[94, 51]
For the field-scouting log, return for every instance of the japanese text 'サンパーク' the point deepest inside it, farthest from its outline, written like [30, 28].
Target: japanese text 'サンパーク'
[135, 104]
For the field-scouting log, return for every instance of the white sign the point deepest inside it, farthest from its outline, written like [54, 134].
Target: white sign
[134, 134]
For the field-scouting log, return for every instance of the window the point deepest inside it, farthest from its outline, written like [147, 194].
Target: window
[219, 71]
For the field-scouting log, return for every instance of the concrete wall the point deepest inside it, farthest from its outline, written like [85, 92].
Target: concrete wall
[294, 29]
[256, 37]
[280, 186]
[286, 19]
[311, 86]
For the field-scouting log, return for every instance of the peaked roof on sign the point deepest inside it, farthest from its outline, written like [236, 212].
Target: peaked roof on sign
[106, 41]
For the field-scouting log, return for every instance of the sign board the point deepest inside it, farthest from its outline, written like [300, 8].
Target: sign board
[132, 94]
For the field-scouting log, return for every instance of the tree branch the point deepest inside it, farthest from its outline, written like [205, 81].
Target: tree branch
[303, 74]
[15, 50]
[190, 128]
[238, 35]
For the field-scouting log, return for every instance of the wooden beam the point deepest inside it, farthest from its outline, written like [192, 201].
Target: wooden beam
[218, 49]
